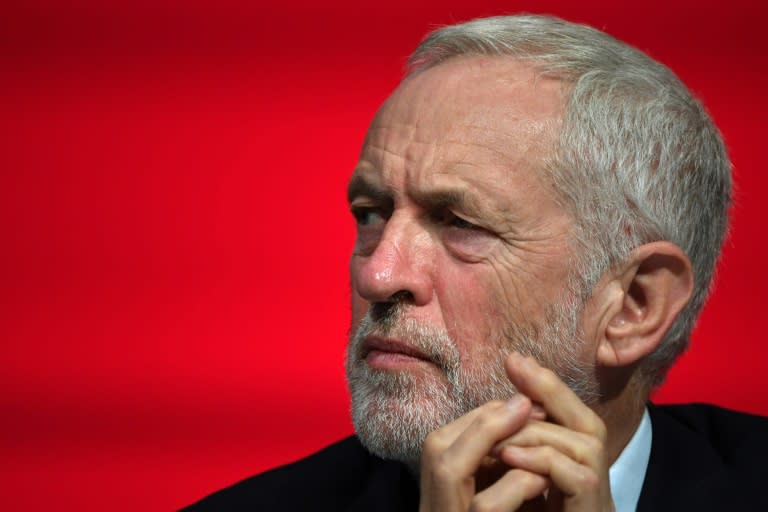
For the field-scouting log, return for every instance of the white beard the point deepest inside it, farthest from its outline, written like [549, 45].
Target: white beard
[394, 411]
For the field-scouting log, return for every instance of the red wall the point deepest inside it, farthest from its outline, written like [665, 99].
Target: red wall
[173, 266]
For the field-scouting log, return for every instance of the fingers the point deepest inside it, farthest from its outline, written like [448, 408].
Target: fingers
[561, 404]
[510, 491]
[457, 449]
[582, 448]
[569, 448]
[568, 475]
[504, 454]
[454, 456]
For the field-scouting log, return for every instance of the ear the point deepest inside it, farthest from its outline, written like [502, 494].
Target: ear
[640, 302]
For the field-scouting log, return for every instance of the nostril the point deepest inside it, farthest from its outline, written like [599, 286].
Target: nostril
[401, 296]
[385, 315]
[388, 310]
[383, 312]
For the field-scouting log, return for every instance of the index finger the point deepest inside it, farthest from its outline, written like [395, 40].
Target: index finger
[559, 401]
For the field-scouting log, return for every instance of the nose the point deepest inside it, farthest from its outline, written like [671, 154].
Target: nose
[400, 267]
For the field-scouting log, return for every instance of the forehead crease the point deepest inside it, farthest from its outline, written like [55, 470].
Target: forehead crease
[479, 154]
[390, 153]
[452, 173]
[397, 139]
[439, 131]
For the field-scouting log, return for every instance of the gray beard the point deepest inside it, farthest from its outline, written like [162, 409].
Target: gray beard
[394, 411]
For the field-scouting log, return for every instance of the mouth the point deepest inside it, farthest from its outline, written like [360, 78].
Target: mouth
[391, 354]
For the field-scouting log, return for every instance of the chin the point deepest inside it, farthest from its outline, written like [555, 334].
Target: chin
[394, 411]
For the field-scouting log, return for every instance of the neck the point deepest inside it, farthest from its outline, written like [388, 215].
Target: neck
[622, 414]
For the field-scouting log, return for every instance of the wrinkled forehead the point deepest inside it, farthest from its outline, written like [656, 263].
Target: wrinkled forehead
[490, 92]
[488, 117]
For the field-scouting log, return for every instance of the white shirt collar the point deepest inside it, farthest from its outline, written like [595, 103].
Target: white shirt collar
[628, 472]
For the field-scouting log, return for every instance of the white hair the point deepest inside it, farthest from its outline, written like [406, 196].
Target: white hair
[638, 157]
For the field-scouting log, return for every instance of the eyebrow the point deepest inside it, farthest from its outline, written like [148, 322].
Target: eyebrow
[430, 199]
[359, 186]
[439, 199]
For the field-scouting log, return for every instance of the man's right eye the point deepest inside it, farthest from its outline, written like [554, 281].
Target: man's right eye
[367, 215]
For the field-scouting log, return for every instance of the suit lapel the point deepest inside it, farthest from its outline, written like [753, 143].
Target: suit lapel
[684, 471]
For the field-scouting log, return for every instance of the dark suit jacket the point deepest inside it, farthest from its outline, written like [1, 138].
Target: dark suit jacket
[702, 458]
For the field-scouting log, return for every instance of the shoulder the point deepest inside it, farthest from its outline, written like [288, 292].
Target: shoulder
[705, 457]
[729, 433]
[318, 482]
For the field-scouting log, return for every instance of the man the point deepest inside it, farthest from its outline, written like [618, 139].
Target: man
[540, 209]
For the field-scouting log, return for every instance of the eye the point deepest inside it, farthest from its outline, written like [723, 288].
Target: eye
[466, 240]
[367, 215]
[450, 219]
[371, 221]
[458, 222]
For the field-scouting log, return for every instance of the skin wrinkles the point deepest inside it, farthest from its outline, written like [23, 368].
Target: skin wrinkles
[514, 292]
[456, 147]
[535, 237]
[501, 217]
[518, 257]
[423, 149]
[441, 148]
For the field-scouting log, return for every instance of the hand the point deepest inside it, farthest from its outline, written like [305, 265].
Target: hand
[502, 455]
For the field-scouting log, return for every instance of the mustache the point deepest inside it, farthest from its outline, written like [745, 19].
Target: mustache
[391, 320]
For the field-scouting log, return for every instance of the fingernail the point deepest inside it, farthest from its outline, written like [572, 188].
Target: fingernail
[515, 402]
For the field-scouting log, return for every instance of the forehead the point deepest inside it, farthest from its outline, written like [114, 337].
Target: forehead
[501, 88]
[469, 118]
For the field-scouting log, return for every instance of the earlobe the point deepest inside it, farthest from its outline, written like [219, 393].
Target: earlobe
[657, 282]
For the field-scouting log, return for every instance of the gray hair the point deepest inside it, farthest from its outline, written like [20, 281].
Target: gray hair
[638, 158]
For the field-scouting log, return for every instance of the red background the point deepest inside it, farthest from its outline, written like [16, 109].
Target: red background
[175, 236]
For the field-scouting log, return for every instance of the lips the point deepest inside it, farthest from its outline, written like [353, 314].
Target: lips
[375, 348]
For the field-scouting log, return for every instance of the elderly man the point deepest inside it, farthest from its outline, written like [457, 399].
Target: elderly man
[539, 212]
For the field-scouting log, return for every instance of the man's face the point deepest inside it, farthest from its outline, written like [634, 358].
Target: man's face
[462, 251]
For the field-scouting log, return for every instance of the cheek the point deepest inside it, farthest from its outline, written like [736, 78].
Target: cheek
[473, 311]
[525, 286]
[470, 245]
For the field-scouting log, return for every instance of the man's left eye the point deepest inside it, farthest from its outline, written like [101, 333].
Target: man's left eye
[458, 222]
[450, 219]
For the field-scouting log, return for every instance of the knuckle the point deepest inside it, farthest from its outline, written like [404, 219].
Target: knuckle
[583, 453]
[593, 447]
[484, 421]
[590, 452]
[430, 438]
[430, 442]
[442, 469]
[601, 432]
[594, 426]
[547, 453]
[433, 446]
[488, 420]
[588, 480]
